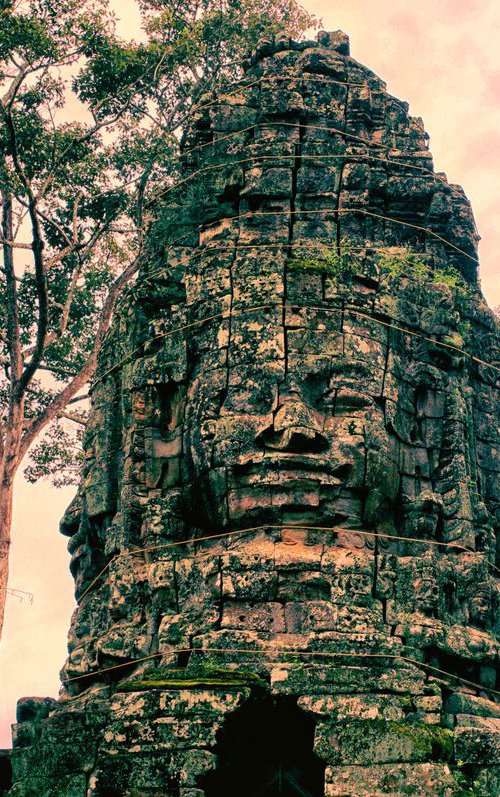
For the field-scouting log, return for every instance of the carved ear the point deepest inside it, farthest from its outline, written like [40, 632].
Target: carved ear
[163, 434]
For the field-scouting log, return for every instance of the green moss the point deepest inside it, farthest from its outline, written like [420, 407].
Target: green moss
[323, 258]
[442, 742]
[452, 278]
[425, 738]
[193, 678]
[466, 786]
[398, 262]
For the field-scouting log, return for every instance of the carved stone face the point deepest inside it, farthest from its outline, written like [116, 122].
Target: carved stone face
[426, 591]
[287, 414]
[296, 434]
[480, 608]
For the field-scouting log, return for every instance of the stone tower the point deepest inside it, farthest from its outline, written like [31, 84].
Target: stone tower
[284, 543]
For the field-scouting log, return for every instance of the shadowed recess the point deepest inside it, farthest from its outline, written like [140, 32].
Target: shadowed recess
[264, 750]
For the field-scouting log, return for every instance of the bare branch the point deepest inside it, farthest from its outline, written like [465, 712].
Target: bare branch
[70, 416]
[21, 216]
[13, 245]
[76, 399]
[10, 96]
[66, 310]
[76, 204]
[60, 401]
[13, 329]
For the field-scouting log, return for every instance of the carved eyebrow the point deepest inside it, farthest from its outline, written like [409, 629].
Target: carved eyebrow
[348, 367]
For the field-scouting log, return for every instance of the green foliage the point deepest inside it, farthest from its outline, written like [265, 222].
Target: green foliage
[398, 262]
[325, 259]
[86, 187]
[403, 264]
[187, 48]
[453, 279]
[59, 454]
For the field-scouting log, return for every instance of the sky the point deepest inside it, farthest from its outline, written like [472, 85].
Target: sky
[441, 57]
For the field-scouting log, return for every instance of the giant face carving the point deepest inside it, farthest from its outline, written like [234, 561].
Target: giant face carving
[294, 430]
[314, 415]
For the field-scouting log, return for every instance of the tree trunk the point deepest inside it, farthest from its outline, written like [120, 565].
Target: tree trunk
[6, 495]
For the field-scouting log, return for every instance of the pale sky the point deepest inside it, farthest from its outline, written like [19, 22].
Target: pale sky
[442, 57]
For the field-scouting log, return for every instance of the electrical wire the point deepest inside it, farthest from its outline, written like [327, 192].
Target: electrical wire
[273, 526]
[288, 652]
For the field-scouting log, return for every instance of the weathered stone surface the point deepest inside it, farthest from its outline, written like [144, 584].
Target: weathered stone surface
[478, 745]
[463, 703]
[286, 529]
[340, 679]
[381, 741]
[396, 780]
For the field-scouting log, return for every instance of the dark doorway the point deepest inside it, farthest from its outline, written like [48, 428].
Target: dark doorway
[5, 772]
[266, 750]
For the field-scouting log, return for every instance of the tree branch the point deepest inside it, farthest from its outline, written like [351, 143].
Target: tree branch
[60, 401]
[70, 416]
[13, 330]
[10, 96]
[76, 399]
[40, 275]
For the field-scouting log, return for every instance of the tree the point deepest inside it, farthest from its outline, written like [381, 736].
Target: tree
[74, 195]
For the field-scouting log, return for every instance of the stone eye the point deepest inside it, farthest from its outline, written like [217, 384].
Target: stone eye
[348, 400]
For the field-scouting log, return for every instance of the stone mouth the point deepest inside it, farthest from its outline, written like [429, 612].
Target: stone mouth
[279, 467]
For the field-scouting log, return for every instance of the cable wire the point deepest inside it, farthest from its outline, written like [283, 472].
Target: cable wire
[237, 313]
[283, 527]
[289, 652]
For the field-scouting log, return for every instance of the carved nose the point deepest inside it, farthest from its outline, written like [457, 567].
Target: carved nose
[294, 428]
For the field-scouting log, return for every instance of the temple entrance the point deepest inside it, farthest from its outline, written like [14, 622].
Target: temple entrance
[266, 750]
[5, 772]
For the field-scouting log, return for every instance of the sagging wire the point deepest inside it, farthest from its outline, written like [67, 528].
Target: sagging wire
[257, 308]
[282, 652]
[453, 546]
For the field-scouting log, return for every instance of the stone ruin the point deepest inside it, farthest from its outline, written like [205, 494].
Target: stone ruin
[284, 542]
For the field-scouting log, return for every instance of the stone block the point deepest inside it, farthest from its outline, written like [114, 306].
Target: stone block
[262, 617]
[472, 721]
[268, 181]
[357, 707]
[324, 679]
[30, 709]
[380, 742]
[314, 616]
[478, 745]
[390, 780]
[463, 703]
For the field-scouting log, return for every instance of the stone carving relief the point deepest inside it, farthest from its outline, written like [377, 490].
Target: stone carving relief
[294, 446]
